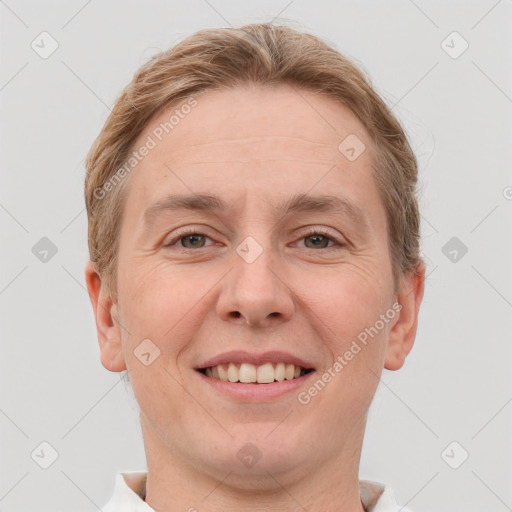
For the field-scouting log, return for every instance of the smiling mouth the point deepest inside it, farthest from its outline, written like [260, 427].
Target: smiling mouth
[247, 373]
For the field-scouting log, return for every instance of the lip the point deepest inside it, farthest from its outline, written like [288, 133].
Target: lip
[240, 356]
[253, 392]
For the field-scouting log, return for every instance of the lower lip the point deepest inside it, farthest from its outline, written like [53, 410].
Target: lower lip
[253, 392]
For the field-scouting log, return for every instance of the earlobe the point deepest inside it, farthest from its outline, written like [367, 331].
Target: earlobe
[107, 325]
[403, 333]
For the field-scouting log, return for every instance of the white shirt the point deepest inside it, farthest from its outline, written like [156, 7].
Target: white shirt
[130, 487]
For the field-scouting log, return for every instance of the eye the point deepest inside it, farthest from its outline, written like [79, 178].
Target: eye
[313, 239]
[320, 239]
[189, 239]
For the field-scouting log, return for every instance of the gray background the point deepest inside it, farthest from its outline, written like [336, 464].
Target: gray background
[455, 385]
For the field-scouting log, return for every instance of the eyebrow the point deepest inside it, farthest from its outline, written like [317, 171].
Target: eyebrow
[296, 204]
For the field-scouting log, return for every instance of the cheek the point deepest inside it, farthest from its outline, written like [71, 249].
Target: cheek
[351, 312]
[348, 299]
[156, 293]
[157, 306]
[164, 304]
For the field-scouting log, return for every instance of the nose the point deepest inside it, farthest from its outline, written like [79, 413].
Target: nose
[255, 293]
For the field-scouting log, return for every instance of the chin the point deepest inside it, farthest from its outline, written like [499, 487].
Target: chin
[256, 454]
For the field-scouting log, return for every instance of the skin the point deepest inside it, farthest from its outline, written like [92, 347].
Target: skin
[254, 147]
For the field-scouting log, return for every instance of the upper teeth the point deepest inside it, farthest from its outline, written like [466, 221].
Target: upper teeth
[246, 372]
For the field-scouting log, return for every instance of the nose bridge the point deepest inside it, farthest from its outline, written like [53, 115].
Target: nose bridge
[253, 291]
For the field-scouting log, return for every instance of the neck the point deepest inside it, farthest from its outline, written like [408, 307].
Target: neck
[175, 485]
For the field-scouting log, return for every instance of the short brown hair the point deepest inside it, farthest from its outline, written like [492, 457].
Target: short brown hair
[262, 54]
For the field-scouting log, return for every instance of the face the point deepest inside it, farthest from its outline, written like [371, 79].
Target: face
[252, 249]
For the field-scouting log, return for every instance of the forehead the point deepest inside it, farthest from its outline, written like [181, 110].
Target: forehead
[282, 115]
[269, 141]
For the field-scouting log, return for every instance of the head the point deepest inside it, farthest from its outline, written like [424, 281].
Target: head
[251, 197]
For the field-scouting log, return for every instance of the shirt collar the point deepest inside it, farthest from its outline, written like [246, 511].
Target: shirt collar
[128, 491]
[130, 487]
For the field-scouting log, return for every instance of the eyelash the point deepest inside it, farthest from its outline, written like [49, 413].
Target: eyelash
[319, 231]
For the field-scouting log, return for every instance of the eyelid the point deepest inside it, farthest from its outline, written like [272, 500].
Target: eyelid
[186, 231]
[304, 233]
[310, 231]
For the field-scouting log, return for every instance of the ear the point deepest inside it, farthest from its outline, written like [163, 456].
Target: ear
[107, 325]
[403, 332]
